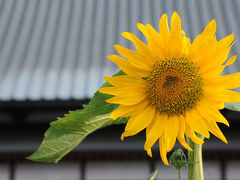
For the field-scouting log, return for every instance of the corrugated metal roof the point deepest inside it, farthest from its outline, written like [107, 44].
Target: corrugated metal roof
[56, 49]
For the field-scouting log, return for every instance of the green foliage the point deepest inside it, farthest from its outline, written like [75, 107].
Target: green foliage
[152, 176]
[232, 106]
[178, 159]
[66, 133]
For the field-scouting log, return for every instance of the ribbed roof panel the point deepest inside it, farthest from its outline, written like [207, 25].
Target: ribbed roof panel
[57, 49]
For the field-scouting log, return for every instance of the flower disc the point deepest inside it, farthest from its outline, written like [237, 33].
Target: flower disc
[174, 86]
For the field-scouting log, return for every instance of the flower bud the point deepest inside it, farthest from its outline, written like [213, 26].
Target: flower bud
[178, 159]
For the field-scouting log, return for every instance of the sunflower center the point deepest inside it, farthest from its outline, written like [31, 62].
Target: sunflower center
[171, 82]
[174, 86]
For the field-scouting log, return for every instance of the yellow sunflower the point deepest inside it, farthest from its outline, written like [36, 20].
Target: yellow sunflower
[173, 87]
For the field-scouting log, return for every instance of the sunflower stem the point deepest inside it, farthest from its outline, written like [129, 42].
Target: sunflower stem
[179, 174]
[195, 167]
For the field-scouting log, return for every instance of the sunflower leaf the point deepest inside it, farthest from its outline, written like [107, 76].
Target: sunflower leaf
[232, 106]
[153, 175]
[67, 132]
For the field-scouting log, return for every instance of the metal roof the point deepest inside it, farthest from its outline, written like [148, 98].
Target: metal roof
[56, 49]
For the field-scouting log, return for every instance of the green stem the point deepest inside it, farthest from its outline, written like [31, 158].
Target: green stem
[179, 174]
[195, 167]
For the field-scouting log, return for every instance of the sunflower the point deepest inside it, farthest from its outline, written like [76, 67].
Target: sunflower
[172, 87]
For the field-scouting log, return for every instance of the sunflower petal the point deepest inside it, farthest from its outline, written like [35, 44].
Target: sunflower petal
[213, 127]
[190, 133]
[134, 57]
[231, 61]
[140, 46]
[223, 82]
[153, 41]
[163, 150]
[128, 99]
[155, 130]
[231, 76]
[124, 111]
[193, 121]
[137, 123]
[163, 27]
[227, 41]
[124, 80]
[175, 39]
[149, 152]
[127, 67]
[211, 28]
[109, 90]
[231, 96]
[171, 131]
[213, 111]
[131, 89]
[181, 137]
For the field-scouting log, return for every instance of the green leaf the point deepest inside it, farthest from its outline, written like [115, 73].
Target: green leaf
[66, 133]
[232, 106]
[152, 176]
